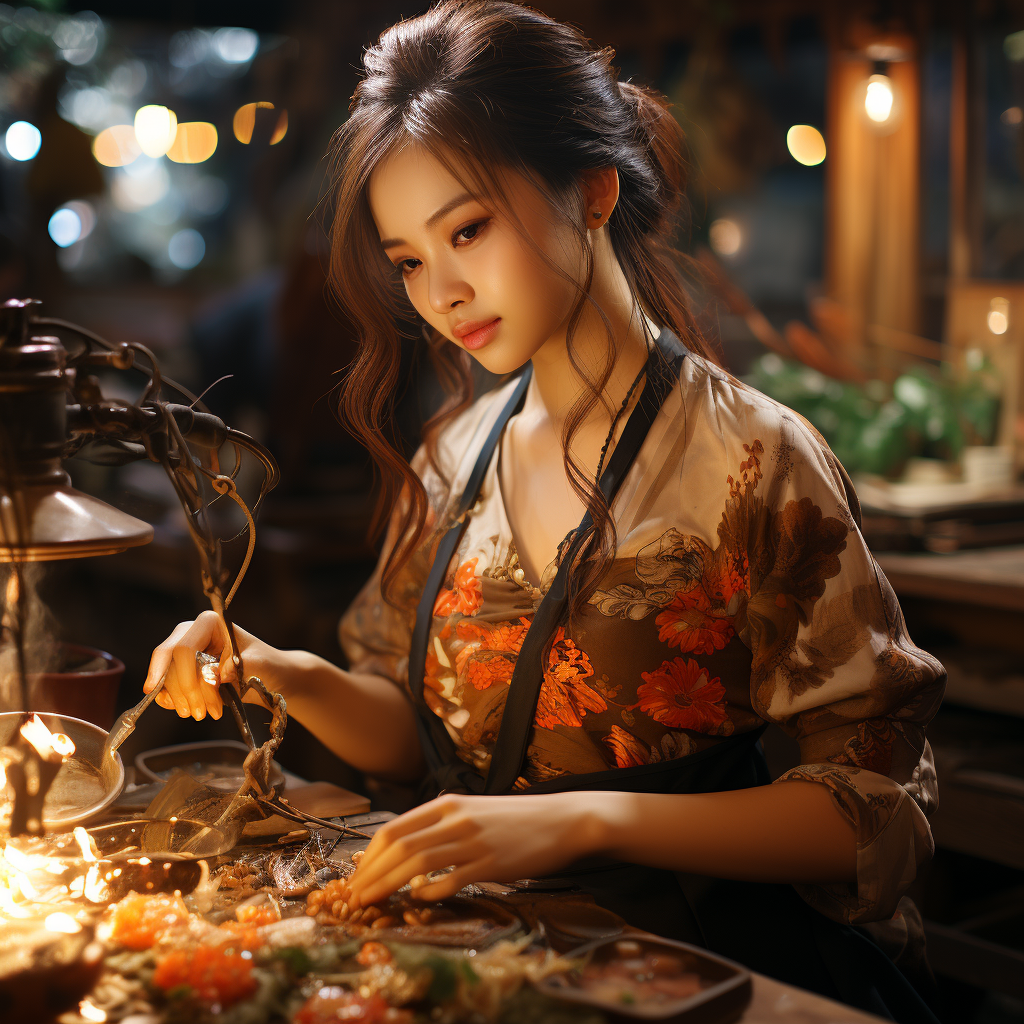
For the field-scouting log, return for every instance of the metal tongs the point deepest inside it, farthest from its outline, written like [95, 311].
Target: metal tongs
[206, 663]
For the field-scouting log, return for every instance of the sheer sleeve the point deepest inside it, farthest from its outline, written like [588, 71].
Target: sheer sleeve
[834, 667]
[375, 634]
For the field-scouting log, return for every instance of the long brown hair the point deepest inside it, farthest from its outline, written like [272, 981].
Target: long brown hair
[502, 89]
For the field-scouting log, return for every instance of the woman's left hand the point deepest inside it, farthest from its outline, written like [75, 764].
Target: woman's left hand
[484, 838]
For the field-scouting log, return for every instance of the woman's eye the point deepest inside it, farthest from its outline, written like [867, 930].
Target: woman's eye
[469, 232]
[408, 266]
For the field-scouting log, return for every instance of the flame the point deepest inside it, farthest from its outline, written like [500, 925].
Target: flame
[45, 742]
[95, 889]
[28, 882]
[90, 1011]
[16, 858]
[63, 744]
[61, 922]
[86, 844]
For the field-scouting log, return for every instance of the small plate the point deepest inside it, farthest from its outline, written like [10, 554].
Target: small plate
[215, 763]
[725, 992]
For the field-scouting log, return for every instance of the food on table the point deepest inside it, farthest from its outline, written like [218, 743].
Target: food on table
[243, 875]
[330, 905]
[460, 921]
[139, 921]
[639, 975]
[272, 963]
[331, 1004]
[211, 975]
[259, 910]
[241, 950]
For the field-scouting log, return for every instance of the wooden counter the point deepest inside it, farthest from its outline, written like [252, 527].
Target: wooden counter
[988, 577]
[775, 1003]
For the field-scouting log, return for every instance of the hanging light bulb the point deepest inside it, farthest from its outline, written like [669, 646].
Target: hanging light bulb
[878, 99]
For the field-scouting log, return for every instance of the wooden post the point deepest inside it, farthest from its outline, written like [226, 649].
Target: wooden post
[966, 157]
[873, 215]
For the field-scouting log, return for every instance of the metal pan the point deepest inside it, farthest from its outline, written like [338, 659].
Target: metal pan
[216, 763]
[87, 783]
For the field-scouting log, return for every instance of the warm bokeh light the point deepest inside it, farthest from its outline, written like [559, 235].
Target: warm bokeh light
[806, 145]
[244, 122]
[1012, 115]
[116, 146]
[878, 99]
[280, 129]
[155, 128]
[22, 141]
[999, 315]
[725, 237]
[195, 142]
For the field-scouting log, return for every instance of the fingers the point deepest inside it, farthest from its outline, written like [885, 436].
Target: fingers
[408, 853]
[460, 854]
[160, 660]
[175, 662]
[449, 884]
[184, 684]
[431, 837]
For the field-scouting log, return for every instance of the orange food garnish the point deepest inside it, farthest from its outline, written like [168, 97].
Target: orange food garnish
[333, 1004]
[374, 953]
[140, 921]
[240, 936]
[216, 977]
[265, 914]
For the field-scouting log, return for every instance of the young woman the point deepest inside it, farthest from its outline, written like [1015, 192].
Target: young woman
[603, 579]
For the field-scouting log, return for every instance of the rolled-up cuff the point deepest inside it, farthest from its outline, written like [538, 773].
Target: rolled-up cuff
[893, 841]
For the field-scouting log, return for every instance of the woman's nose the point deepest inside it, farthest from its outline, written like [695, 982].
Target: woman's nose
[447, 289]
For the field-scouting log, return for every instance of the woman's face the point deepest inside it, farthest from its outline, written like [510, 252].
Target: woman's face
[467, 270]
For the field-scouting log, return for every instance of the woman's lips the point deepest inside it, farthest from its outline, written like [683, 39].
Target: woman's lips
[477, 337]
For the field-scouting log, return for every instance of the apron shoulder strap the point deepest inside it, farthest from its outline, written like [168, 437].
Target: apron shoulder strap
[528, 675]
[438, 747]
[448, 770]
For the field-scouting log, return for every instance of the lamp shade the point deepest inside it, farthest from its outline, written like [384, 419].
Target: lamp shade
[60, 522]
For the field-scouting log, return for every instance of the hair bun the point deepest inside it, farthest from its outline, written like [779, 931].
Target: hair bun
[660, 133]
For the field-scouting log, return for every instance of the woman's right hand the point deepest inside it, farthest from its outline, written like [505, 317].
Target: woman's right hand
[185, 690]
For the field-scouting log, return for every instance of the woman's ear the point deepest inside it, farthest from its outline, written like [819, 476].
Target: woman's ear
[600, 194]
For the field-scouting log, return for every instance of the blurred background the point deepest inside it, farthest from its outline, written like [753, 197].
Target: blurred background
[856, 231]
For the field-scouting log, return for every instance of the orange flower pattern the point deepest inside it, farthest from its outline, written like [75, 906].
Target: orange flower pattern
[465, 596]
[565, 698]
[490, 652]
[627, 750]
[682, 695]
[687, 623]
[741, 592]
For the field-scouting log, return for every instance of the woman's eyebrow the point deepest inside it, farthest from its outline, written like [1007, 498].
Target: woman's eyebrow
[452, 204]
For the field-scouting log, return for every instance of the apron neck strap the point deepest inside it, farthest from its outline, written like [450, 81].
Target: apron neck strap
[449, 771]
[528, 675]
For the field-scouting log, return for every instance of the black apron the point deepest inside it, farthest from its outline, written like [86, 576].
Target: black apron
[769, 928]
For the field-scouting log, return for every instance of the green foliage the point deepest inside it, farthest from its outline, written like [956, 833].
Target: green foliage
[873, 428]
[442, 985]
[296, 959]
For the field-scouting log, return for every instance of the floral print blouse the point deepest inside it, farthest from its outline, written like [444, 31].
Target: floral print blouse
[741, 592]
